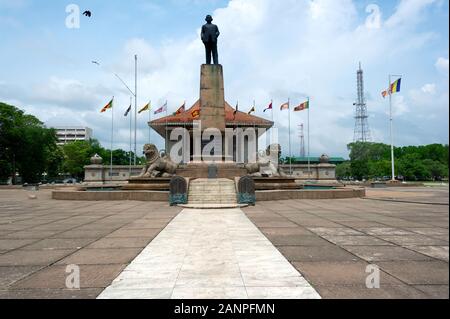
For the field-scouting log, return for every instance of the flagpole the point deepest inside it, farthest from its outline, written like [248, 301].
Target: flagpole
[149, 120]
[391, 128]
[271, 102]
[309, 155]
[290, 151]
[167, 142]
[112, 140]
[135, 106]
[131, 136]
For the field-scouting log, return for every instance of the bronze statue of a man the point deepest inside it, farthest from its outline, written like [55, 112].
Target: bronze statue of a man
[210, 33]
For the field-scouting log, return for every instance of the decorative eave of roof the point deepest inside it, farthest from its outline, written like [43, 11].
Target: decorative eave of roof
[231, 119]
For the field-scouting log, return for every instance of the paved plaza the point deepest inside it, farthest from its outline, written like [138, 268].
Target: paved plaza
[280, 249]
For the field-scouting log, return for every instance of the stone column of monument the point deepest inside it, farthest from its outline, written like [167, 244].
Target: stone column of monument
[212, 99]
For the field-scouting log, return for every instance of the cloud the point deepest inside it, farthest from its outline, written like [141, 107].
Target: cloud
[429, 89]
[408, 10]
[69, 93]
[442, 65]
[273, 50]
[13, 4]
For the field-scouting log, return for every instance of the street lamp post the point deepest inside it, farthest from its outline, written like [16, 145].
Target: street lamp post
[134, 94]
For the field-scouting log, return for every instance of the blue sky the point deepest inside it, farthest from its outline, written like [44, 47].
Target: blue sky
[270, 49]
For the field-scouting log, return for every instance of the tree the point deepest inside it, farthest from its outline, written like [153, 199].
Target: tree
[25, 145]
[344, 170]
[379, 169]
[77, 155]
[373, 160]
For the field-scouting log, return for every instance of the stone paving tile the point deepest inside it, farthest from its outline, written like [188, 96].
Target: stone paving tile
[31, 234]
[314, 253]
[124, 233]
[151, 293]
[359, 292]
[438, 252]
[124, 242]
[273, 224]
[315, 222]
[209, 293]
[410, 240]
[213, 253]
[418, 272]
[300, 240]
[33, 257]
[386, 231]
[10, 244]
[54, 277]
[101, 256]
[384, 253]
[434, 291]
[281, 293]
[356, 240]
[323, 231]
[59, 243]
[54, 230]
[76, 233]
[430, 231]
[50, 294]
[361, 224]
[418, 228]
[340, 273]
[11, 274]
[285, 231]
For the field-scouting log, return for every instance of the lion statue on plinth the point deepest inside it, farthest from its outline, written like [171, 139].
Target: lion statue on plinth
[267, 163]
[157, 166]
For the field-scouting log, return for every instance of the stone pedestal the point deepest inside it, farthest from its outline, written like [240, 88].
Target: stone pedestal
[212, 97]
[94, 174]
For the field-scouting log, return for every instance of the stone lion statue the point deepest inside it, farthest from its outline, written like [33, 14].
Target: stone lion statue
[157, 166]
[267, 163]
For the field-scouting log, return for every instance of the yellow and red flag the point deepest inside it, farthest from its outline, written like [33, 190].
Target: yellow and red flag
[302, 107]
[195, 113]
[182, 109]
[107, 106]
[145, 108]
[285, 106]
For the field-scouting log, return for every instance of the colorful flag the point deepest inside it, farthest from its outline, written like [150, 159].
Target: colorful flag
[395, 87]
[182, 109]
[127, 111]
[195, 113]
[251, 111]
[161, 109]
[285, 106]
[302, 107]
[145, 108]
[107, 106]
[270, 107]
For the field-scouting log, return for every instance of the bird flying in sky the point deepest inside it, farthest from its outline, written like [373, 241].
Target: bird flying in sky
[87, 13]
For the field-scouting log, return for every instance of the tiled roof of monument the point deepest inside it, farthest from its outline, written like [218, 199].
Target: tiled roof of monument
[186, 117]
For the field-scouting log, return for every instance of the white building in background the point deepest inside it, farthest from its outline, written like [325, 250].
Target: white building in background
[68, 134]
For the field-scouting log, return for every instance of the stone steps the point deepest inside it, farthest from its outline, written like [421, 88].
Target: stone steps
[212, 192]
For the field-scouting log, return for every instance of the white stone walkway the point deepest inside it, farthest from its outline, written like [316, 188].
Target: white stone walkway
[210, 254]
